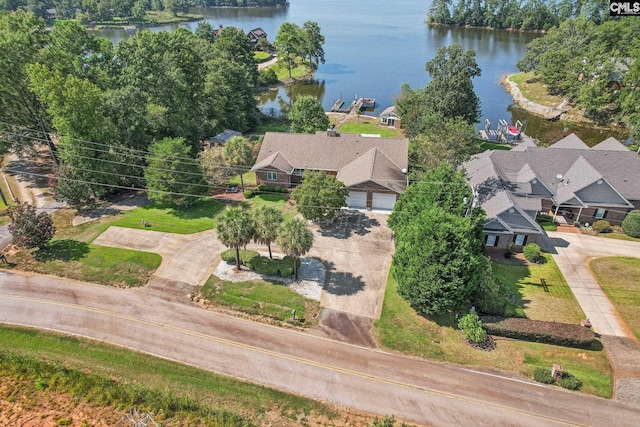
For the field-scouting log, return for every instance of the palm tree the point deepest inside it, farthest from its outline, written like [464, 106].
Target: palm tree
[238, 155]
[267, 219]
[295, 239]
[235, 229]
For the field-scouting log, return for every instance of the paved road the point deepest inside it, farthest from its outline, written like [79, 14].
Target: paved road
[370, 380]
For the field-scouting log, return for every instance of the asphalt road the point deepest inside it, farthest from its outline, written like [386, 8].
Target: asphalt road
[436, 394]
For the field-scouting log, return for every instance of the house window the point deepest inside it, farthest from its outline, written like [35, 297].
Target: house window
[519, 239]
[600, 213]
[492, 240]
[298, 172]
[272, 176]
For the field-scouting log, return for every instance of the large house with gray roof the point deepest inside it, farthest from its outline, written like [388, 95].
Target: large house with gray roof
[568, 180]
[373, 168]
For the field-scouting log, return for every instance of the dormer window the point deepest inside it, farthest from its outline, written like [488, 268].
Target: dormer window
[298, 172]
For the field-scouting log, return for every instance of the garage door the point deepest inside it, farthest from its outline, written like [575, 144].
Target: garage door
[357, 200]
[383, 201]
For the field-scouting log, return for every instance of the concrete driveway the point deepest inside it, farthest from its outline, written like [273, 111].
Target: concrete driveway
[357, 252]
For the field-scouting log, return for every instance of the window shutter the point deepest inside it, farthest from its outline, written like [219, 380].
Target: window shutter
[496, 242]
[524, 242]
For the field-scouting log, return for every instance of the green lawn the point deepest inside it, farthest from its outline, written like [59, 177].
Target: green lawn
[263, 299]
[618, 236]
[278, 201]
[487, 145]
[401, 329]
[162, 377]
[620, 279]
[194, 219]
[297, 71]
[89, 263]
[261, 56]
[556, 305]
[535, 91]
[371, 128]
[249, 179]
[279, 126]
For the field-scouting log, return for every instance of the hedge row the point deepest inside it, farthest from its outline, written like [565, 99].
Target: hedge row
[263, 265]
[564, 334]
[250, 192]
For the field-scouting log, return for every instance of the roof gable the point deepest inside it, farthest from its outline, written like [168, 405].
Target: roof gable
[276, 160]
[376, 167]
[570, 142]
[610, 144]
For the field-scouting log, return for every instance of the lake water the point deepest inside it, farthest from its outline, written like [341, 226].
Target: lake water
[372, 47]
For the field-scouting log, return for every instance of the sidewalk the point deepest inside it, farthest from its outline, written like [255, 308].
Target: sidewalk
[572, 253]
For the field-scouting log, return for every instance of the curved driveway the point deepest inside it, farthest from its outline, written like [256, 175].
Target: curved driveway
[370, 380]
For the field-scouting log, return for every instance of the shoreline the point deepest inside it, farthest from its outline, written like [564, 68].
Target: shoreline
[548, 113]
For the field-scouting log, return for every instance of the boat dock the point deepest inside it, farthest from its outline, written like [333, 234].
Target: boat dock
[355, 106]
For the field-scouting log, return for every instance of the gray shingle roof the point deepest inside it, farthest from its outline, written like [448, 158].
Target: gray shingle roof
[320, 151]
[610, 144]
[570, 141]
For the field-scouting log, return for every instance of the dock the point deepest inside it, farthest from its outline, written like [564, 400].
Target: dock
[355, 106]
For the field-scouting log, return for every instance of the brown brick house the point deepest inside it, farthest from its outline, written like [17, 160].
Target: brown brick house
[568, 180]
[372, 168]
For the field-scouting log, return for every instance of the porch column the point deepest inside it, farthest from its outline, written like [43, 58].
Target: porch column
[555, 213]
[578, 217]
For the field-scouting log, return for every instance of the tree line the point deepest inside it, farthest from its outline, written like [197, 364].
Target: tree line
[105, 10]
[596, 67]
[527, 15]
[108, 105]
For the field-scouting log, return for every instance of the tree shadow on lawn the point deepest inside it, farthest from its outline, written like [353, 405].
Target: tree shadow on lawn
[62, 250]
[347, 223]
[202, 209]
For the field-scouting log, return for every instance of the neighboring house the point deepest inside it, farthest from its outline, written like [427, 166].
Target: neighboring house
[218, 31]
[221, 138]
[568, 180]
[255, 35]
[390, 118]
[372, 168]
[51, 14]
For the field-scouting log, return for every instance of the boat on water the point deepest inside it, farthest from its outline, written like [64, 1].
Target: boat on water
[513, 130]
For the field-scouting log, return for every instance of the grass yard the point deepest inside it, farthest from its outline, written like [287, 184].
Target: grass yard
[119, 367]
[263, 299]
[199, 217]
[278, 201]
[556, 305]
[620, 279]
[261, 56]
[487, 145]
[401, 329]
[298, 70]
[89, 263]
[618, 236]
[279, 126]
[534, 90]
[249, 179]
[366, 126]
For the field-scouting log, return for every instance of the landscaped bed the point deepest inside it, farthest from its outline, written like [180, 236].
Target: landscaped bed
[401, 329]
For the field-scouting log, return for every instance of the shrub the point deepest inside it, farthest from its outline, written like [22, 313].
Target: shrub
[631, 224]
[29, 228]
[508, 250]
[602, 226]
[280, 189]
[267, 77]
[472, 329]
[531, 252]
[246, 257]
[263, 188]
[513, 310]
[570, 382]
[249, 193]
[543, 375]
[564, 334]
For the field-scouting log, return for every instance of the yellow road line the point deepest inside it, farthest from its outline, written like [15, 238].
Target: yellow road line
[292, 358]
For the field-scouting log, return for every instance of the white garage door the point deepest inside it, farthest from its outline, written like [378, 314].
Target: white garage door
[383, 201]
[357, 200]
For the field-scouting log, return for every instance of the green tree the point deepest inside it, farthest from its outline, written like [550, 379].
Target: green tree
[238, 155]
[472, 328]
[450, 140]
[320, 196]
[450, 92]
[438, 261]
[631, 224]
[29, 228]
[235, 229]
[67, 187]
[267, 220]
[22, 36]
[295, 240]
[289, 44]
[214, 166]
[172, 176]
[205, 31]
[439, 12]
[313, 42]
[307, 115]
